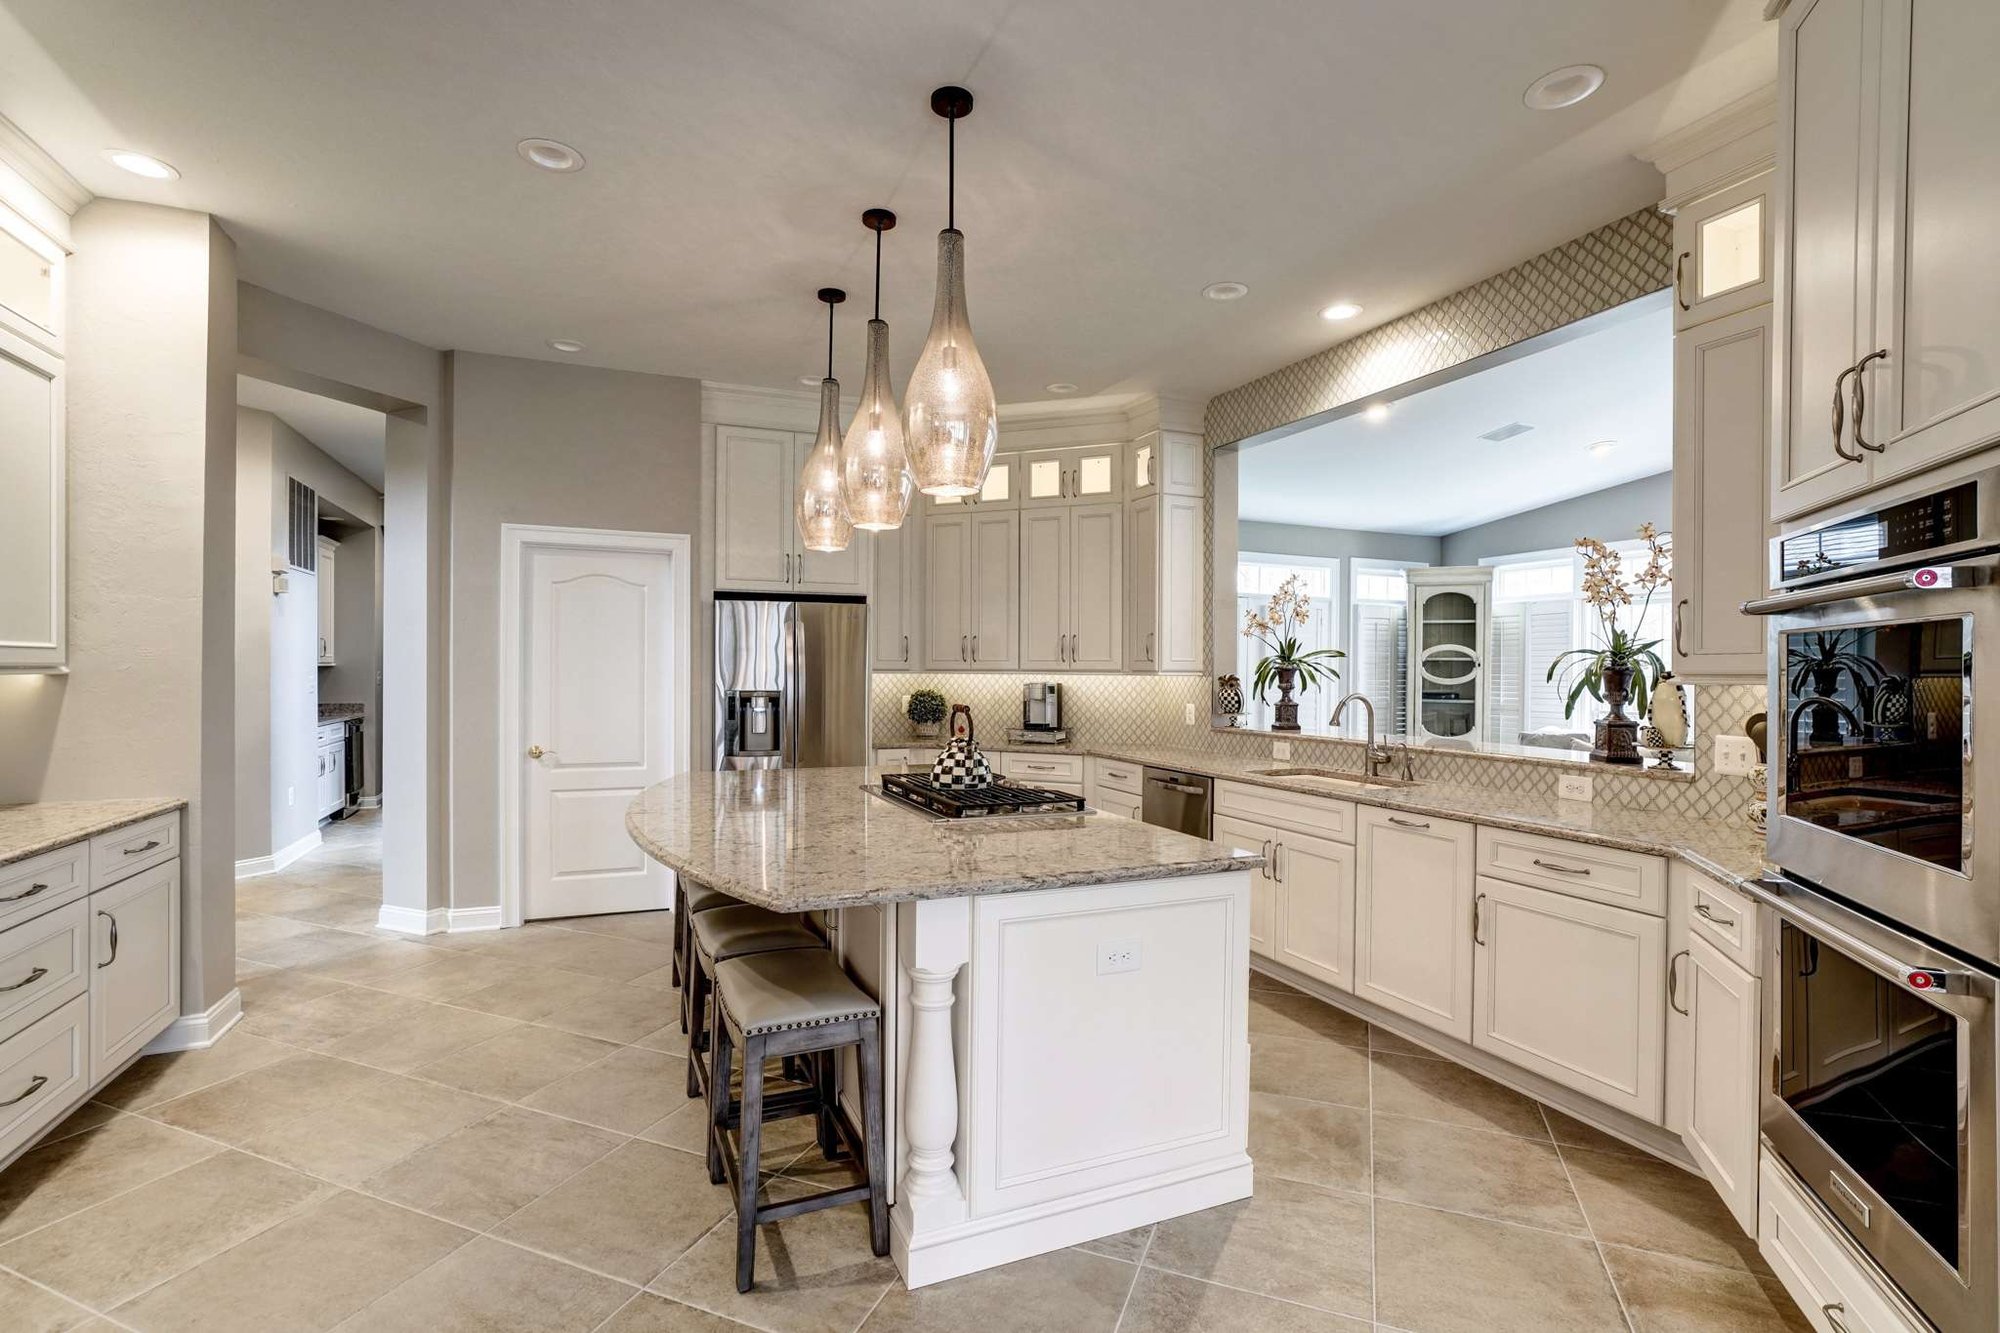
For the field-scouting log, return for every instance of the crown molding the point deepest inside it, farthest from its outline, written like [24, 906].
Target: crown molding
[35, 185]
[763, 408]
[1719, 150]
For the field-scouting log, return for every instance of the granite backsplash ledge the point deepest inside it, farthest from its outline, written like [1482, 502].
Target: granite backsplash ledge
[1151, 711]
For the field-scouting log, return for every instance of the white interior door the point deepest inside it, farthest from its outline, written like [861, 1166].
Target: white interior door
[600, 664]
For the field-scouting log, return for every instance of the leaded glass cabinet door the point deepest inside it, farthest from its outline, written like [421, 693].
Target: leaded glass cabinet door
[1448, 651]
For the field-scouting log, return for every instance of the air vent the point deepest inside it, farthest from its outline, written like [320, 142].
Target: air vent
[302, 526]
[1507, 432]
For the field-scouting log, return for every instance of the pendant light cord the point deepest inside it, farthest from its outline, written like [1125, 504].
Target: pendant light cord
[878, 273]
[951, 173]
[829, 340]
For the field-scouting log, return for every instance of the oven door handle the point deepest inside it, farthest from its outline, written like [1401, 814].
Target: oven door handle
[1962, 576]
[1964, 994]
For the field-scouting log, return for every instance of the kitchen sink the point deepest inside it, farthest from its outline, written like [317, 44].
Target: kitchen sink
[1332, 776]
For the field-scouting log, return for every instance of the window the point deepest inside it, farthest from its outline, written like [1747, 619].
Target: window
[1257, 577]
[1379, 651]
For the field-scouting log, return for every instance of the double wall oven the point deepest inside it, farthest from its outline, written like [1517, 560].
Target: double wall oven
[1883, 929]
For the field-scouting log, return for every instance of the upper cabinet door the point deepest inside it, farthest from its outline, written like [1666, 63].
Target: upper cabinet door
[1067, 476]
[947, 620]
[844, 571]
[32, 272]
[995, 601]
[1045, 589]
[1096, 587]
[895, 603]
[1002, 489]
[33, 507]
[1937, 393]
[1827, 143]
[1722, 253]
[755, 473]
[1177, 642]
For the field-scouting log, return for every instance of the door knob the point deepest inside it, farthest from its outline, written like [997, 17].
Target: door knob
[535, 752]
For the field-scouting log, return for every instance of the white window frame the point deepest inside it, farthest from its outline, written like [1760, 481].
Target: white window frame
[1261, 715]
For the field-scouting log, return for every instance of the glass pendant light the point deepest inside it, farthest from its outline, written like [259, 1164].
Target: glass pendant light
[949, 416]
[824, 524]
[875, 465]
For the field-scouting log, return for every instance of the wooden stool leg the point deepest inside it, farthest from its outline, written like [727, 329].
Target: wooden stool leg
[750, 1141]
[720, 1056]
[680, 927]
[821, 1068]
[872, 1134]
[694, 1003]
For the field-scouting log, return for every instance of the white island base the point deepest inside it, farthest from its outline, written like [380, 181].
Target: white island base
[1066, 1063]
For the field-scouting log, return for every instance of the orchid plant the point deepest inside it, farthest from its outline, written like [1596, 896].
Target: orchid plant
[1276, 627]
[1608, 592]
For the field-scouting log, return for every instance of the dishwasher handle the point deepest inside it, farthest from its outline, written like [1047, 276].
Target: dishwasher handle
[1184, 788]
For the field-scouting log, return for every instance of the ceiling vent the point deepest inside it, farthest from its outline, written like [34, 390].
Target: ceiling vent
[1507, 432]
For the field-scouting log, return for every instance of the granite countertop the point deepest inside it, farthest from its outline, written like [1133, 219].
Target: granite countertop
[810, 839]
[1727, 849]
[30, 830]
[342, 712]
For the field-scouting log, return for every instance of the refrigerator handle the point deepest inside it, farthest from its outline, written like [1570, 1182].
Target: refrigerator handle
[794, 695]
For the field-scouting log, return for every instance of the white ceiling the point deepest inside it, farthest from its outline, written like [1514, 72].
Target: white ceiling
[352, 436]
[1425, 470]
[1123, 153]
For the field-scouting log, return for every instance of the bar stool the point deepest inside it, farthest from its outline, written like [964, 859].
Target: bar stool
[722, 933]
[793, 1002]
[689, 899]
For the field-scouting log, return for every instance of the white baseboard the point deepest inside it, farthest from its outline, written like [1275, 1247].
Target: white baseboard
[412, 920]
[194, 1032]
[278, 860]
[474, 918]
[369, 803]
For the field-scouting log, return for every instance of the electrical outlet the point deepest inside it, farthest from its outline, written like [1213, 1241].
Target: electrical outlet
[1735, 756]
[1573, 787]
[1281, 749]
[1191, 715]
[1117, 956]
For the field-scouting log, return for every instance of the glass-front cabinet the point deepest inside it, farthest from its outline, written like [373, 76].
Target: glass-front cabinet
[1722, 253]
[1448, 618]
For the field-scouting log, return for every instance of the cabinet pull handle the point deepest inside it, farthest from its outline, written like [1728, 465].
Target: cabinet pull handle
[975, 647]
[1265, 869]
[34, 1086]
[1704, 910]
[1408, 823]
[114, 939]
[961, 649]
[1839, 416]
[1478, 901]
[1861, 399]
[1562, 869]
[28, 892]
[1674, 982]
[1833, 1312]
[1149, 645]
[906, 647]
[28, 980]
[1680, 606]
[1278, 862]
[151, 843]
[1680, 264]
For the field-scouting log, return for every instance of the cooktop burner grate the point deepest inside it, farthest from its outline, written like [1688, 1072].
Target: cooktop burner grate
[997, 798]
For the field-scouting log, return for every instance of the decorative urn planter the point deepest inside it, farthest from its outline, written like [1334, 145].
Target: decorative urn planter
[1617, 734]
[1287, 708]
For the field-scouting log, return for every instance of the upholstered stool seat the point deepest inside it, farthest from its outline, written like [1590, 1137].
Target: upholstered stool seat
[689, 899]
[719, 934]
[794, 1003]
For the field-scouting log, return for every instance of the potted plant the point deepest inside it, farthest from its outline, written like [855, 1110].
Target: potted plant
[926, 712]
[1622, 666]
[1815, 667]
[1289, 663]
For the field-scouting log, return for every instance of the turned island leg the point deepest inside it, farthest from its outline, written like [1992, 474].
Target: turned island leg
[934, 939]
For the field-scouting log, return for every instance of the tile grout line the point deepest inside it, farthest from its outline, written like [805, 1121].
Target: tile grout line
[1138, 1271]
[65, 1299]
[1597, 1246]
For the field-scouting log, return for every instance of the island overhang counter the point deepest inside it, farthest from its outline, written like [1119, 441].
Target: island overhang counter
[1065, 999]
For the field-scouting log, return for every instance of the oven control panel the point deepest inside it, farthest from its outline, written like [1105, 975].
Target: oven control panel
[1895, 534]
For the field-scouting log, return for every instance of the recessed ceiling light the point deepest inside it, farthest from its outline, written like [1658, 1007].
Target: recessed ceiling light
[139, 164]
[1340, 310]
[1563, 87]
[550, 155]
[1601, 447]
[566, 344]
[810, 381]
[1225, 291]
[1061, 386]
[1376, 412]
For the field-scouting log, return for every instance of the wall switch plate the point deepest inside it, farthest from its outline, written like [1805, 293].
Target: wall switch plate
[1735, 756]
[1117, 956]
[1281, 749]
[1573, 787]
[1190, 715]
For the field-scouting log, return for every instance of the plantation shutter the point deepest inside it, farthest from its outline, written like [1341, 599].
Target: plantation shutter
[1547, 634]
[1504, 687]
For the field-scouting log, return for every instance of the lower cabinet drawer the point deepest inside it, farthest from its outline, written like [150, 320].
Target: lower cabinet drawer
[29, 888]
[1037, 770]
[1834, 1286]
[1117, 775]
[1581, 870]
[135, 847]
[43, 963]
[44, 1070]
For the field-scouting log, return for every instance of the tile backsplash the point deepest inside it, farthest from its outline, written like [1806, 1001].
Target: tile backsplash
[1150, 712]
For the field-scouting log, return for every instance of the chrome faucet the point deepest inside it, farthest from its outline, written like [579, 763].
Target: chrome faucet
[1799, 710]
[1375, 757]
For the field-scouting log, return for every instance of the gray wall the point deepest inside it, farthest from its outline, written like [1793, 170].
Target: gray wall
[1612, 514]
[1336, 543]
[538, 442]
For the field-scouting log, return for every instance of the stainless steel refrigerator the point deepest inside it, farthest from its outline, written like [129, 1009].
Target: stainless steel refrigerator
[791, 681]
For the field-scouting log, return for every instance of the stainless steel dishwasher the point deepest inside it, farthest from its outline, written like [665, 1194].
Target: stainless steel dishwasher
[1177, 800]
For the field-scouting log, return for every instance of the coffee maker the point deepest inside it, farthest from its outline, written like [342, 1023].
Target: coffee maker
[1041, 706]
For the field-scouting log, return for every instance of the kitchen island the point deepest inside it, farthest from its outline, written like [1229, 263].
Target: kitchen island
[1065, 999]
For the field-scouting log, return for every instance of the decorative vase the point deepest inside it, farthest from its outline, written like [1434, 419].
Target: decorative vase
[1287, 707]
[1825, 721]
[926, 730]
[1617, 734]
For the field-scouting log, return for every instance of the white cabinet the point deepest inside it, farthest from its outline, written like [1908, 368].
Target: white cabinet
[1885, 281]
[756, 531]
[1448, 635]
[1001, 490]
[33, 506]
[1314, 907]
[1166, 462]
[1413, 898]
[971, 599]
[896, 600]
[1244, 835]
[1712, 1079]
[1065, 476]
[1722, 377]
[1837, 1288]
[330, 776]
[1072, 604]
[1112, 785]
[1722, 253]
[324, 579]
[1164, 567]
[135, 979]
[1573, 990]
[1118, 803]
[1059, 772]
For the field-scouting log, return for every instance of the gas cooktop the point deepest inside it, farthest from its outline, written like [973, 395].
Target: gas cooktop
[997, 798]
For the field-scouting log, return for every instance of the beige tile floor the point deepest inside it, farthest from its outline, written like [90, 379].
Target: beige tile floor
[490, 1132]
